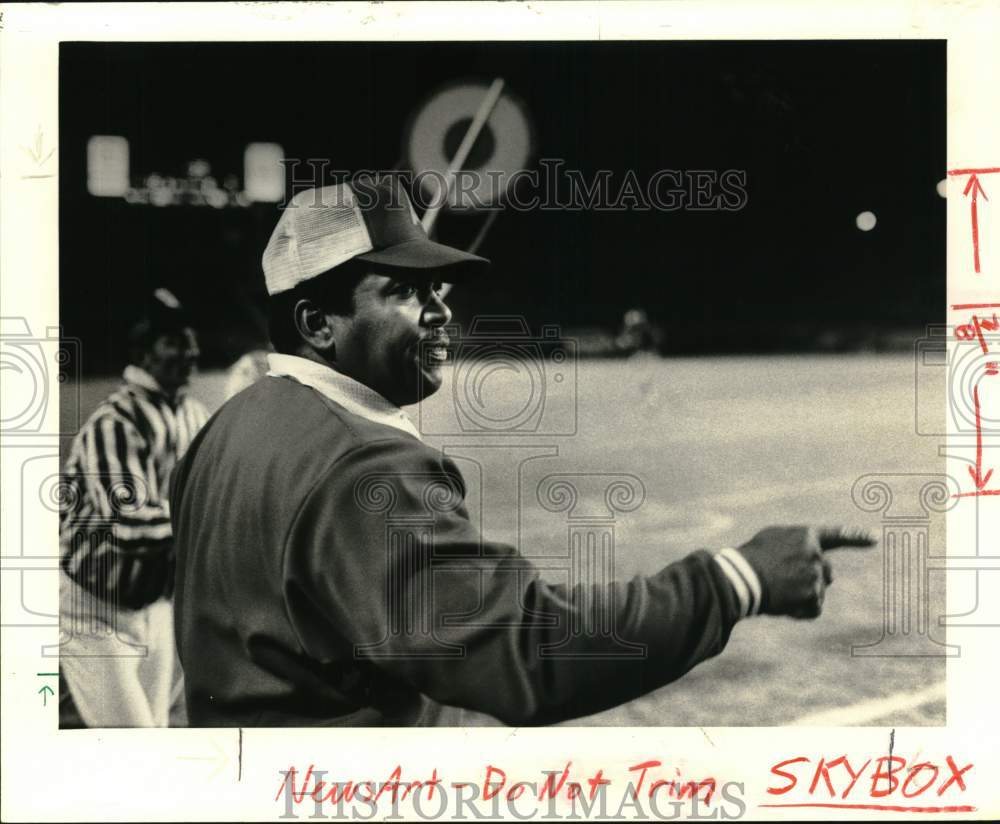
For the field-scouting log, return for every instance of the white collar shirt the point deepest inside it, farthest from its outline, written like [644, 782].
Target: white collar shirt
[354, 396]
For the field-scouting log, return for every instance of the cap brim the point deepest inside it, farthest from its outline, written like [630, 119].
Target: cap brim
[421, 253]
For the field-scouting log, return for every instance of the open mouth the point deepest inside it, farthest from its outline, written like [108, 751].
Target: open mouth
[434, 353]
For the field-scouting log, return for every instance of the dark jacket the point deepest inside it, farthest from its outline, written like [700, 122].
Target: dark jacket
[328, 573]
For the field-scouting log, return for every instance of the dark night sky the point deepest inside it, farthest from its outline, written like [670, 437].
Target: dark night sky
[824, 130]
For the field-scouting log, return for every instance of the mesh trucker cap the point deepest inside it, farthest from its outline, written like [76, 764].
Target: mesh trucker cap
[372, 221]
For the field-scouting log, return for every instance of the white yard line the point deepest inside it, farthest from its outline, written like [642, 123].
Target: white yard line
[865, 711]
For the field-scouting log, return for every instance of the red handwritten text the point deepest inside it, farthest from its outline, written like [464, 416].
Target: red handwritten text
[871, 784]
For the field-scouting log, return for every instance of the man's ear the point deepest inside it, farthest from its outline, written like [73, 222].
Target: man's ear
[314, 327]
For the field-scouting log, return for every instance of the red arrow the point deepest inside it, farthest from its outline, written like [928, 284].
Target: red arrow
[976, 188]
[978, 478]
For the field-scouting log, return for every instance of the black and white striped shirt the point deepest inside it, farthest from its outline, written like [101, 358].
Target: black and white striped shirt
[115, 534]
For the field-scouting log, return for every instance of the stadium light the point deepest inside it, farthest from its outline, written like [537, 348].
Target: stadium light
[263, 172]
[107, 165]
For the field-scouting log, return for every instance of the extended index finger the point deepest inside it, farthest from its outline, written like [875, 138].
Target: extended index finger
[838, 537]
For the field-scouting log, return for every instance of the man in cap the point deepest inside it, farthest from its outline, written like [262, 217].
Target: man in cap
[328, 571]
[119, 657]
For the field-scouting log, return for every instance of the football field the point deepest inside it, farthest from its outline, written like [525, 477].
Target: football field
[717, 448]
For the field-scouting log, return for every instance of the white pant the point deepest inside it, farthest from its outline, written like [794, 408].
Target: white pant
[121, 665]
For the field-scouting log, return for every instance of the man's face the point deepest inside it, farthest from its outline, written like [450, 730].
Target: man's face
[172, 358]
[380, 343]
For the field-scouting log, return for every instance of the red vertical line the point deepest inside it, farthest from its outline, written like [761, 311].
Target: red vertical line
[974, 186]
[979, 435]
[979, 332]
[975, 232]
[978, 478]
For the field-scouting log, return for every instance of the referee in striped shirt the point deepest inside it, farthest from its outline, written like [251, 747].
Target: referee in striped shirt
[118, 657]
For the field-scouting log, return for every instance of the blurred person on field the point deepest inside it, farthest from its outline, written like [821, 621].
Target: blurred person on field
[638, 334]
[118, 657]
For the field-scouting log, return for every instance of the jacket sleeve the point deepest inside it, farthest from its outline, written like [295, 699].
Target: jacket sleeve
[384, 546]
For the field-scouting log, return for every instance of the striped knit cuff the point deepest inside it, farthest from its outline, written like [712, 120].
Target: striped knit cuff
[744, 580]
